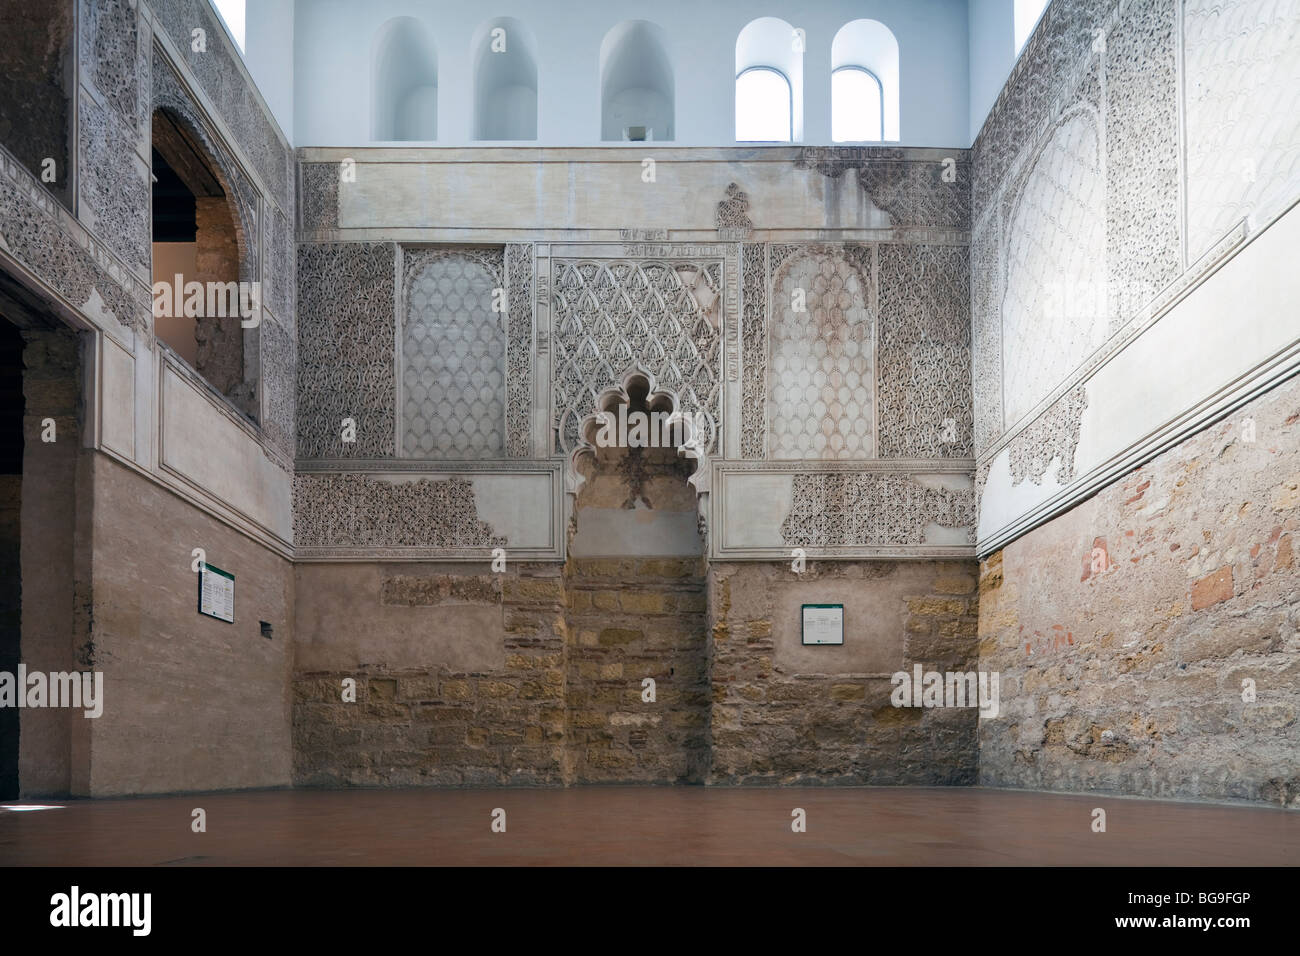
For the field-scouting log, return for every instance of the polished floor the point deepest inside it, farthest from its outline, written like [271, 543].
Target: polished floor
[645, 826]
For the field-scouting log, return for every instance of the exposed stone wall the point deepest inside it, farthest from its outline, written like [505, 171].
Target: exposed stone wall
[786, 713]
[632, 619]
[459, 675]
[1125, 628]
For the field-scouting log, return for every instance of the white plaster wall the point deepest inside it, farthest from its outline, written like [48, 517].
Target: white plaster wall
[991, 34]
[331, 40]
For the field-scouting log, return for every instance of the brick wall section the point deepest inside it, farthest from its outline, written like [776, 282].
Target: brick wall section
[443, 727]
[773, 724]
[630, 619]
[1127, 676]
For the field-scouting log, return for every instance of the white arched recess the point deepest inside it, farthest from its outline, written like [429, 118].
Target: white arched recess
[504, 56]
[404, 82]
[870, 45]
[769, 43]
[636, 83]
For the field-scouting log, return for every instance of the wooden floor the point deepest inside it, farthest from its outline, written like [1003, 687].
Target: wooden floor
[637, 826]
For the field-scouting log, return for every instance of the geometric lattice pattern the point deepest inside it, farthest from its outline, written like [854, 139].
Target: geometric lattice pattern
[453, 362]
[821, 386]
[1054, 308]
[662, 316]
[856, 508]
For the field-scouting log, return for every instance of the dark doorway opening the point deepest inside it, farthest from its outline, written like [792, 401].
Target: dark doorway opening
[12, 409]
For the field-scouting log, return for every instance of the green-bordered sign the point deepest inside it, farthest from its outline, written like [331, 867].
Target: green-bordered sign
[217, 593]
[822, 624]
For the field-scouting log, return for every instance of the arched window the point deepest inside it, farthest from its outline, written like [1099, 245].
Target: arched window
[505, 81]
[857, 105]
[769, 82]
[404, 78]
[763, 110]
[202, 288]
[636, 83]
[864, 83]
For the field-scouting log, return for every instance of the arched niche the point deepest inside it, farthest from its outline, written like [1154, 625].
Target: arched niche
[404, 78]
[637, 98]
[504, 56]
[770, 44]
[869, 45]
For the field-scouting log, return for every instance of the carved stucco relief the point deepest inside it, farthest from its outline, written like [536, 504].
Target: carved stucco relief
[821, 381]
[753, 397]
[662, 316]
[35, 237]
[914, 192]
[346, 349]
[1053, 437]
[361, 511]
[114, 57]
[114, 183]
[1143, 221]
[986, 333]
[839, 509]
[1243, 138]
[520, 266]
[318, 204]
[924, 355]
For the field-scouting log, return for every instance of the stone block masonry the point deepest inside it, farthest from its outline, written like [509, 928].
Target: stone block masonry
[789, 714]
[1171, 666]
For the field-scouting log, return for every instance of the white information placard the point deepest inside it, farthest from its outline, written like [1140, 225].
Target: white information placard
[823, 624]
[217, 593]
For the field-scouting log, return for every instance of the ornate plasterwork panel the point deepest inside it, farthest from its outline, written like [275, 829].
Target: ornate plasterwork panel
[753, 404]
[986, 332]
[218, 72]
[923, 352]
[352, 510]
[732, 214]
[453, 355]
[346, 346]
[1143, 220]
[1242, 95]
[278, 353]
[113, 183]
[115, 58]
[520, 266]
[278, 279]
[1053, 304]
[612, 315]
[821, 382]
[840, 509]
[318, 200]
[34, 234]
[914, 192]
[1053, 437]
